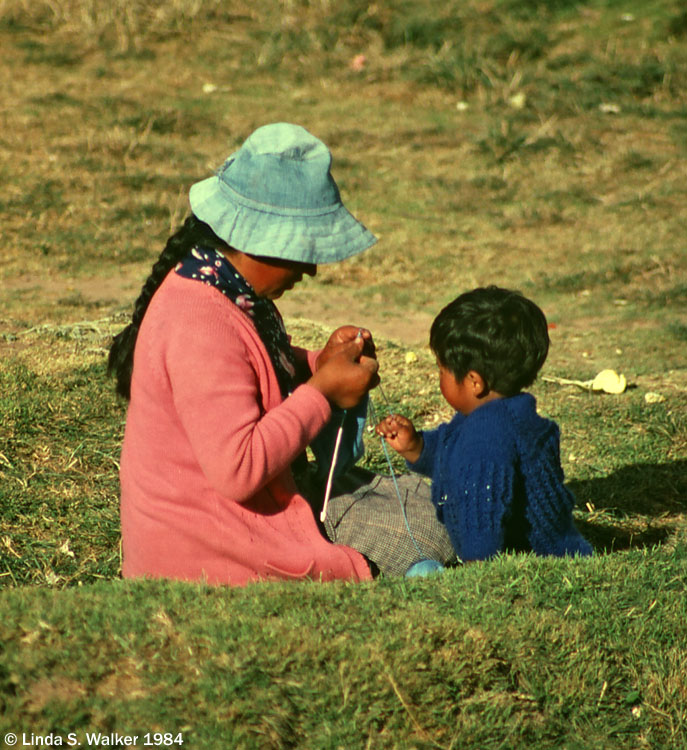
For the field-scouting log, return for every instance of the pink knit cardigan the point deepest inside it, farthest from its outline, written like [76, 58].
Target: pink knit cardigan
[206, 487]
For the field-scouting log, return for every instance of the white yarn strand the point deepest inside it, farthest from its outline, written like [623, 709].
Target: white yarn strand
[335, 456]
[330, 478]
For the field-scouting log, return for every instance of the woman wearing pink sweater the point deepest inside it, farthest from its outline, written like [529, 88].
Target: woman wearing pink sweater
[220, 403]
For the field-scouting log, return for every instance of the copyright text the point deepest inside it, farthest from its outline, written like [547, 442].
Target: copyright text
[94, 739]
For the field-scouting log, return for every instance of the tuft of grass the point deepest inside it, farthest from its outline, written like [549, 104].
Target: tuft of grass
[124, 25]
[59, 454]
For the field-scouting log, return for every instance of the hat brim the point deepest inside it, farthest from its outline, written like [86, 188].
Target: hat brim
[302, 235]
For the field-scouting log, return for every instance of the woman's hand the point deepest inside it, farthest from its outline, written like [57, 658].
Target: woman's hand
[401, 435]
[342, 336]
[347, 373]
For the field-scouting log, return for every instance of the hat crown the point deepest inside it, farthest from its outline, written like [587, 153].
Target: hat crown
[282, 166]
[275, 197]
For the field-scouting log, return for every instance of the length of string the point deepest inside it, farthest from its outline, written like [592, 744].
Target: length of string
[391, 469]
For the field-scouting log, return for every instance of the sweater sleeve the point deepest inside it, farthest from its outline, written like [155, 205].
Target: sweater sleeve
[216, 381]
[550, 502]
[432, 445]
[425, 463]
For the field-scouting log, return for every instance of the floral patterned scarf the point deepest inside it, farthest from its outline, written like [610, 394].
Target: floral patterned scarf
[209, 266]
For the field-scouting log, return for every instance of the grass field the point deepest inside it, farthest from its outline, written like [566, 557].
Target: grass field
[537, 145]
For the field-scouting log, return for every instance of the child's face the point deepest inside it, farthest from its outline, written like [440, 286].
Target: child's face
[459, 393]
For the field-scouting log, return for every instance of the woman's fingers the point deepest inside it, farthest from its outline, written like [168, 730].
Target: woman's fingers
[344, 337]
[346, 376]
[347, 333]
[344, 334]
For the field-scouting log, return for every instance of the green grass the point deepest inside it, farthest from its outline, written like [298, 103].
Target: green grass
[517, 653]
[536, 145]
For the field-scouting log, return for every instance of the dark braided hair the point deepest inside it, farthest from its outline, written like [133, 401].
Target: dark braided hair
[121, 360]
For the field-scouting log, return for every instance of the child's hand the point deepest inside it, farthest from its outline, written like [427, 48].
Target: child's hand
[401, 435]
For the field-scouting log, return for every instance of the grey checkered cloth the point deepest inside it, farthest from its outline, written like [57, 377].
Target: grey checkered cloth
[364, 513]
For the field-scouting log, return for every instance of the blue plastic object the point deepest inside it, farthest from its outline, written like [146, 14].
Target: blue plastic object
[424, 568]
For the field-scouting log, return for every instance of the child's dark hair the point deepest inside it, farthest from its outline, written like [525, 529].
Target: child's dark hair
[496, 332]
[121, 360]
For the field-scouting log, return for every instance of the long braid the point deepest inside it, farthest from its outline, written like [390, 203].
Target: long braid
[121, 358]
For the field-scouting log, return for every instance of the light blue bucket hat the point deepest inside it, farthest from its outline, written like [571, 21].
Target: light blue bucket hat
[275, 197]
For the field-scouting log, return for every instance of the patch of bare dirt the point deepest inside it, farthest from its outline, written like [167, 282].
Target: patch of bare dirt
[51, 690]
[117, 290]
[54, 299]
[333, 307]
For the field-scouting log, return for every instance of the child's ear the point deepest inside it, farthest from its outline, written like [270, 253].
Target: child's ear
[477, 384]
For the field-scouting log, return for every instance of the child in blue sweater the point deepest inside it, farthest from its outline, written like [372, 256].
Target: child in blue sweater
[497, 481]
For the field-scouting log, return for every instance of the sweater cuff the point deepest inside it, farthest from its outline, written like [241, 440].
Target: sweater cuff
[423, 465]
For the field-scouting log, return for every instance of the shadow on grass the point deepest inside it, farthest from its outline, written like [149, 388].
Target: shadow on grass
[637, 506]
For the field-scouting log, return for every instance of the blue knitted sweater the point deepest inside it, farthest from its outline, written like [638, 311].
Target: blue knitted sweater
[497, 482]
